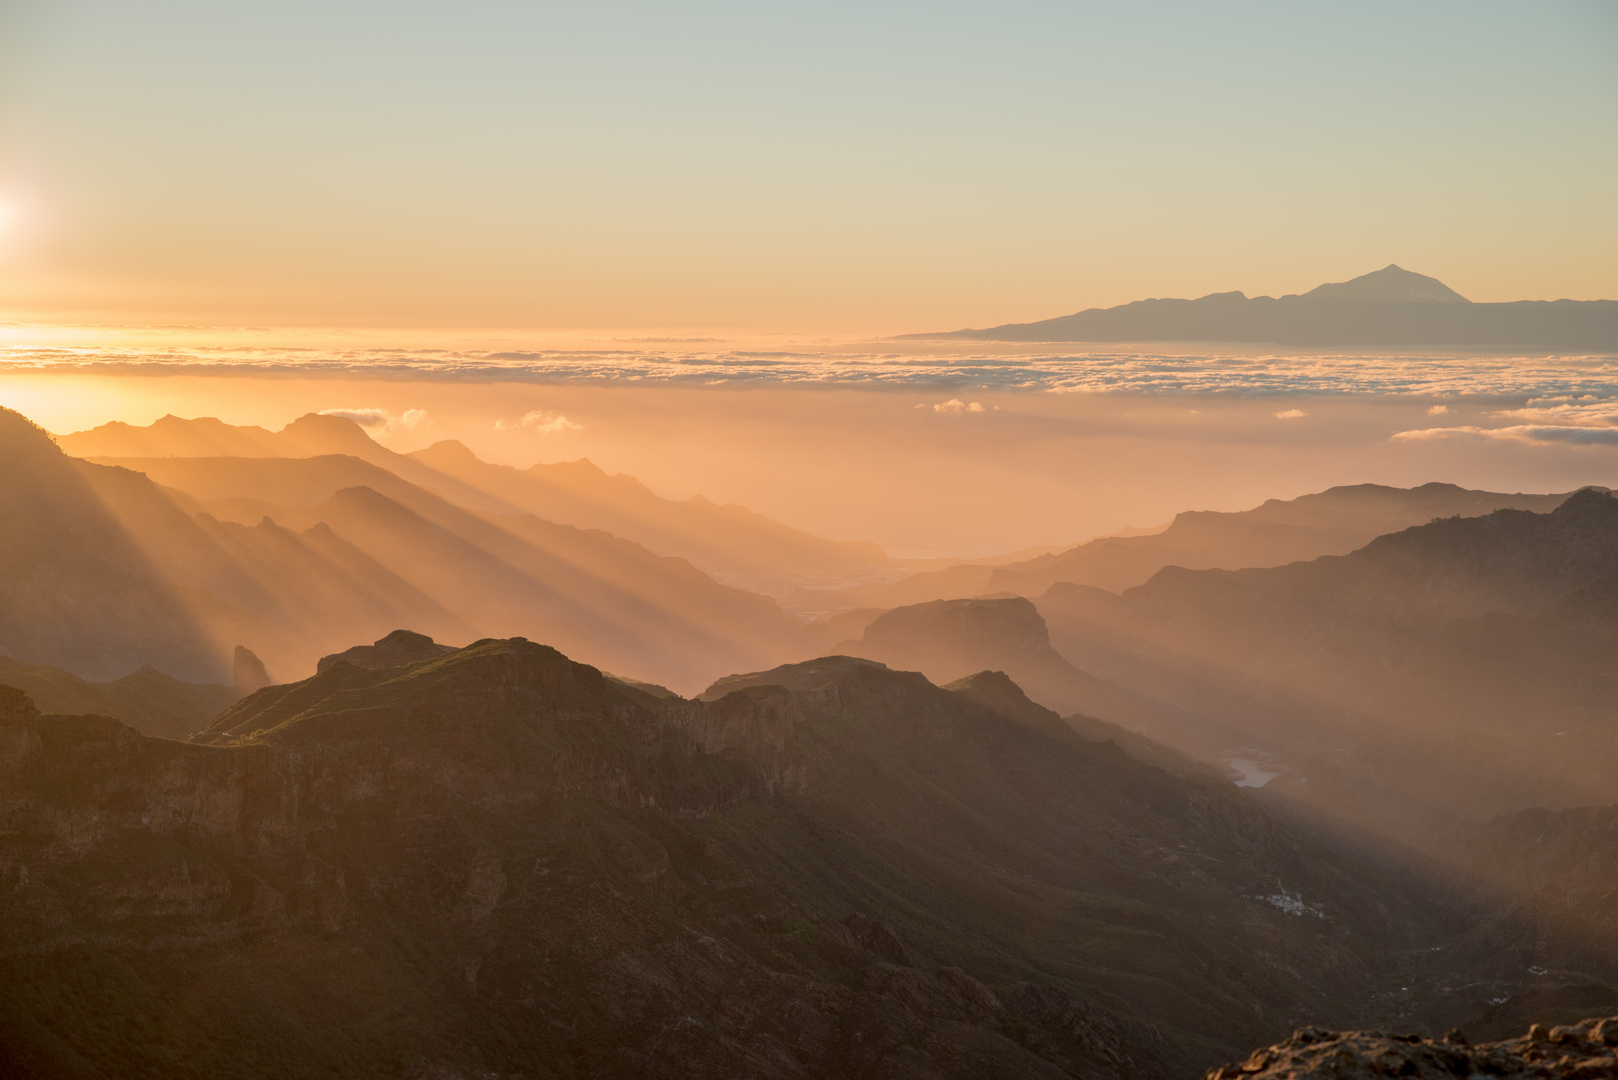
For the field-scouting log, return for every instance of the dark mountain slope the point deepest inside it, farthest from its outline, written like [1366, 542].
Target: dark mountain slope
[76, 590]
[396, 650]
[730, 542]
[290, 596]
[1407, 683]
[1332, 522]
[1546, 946]
[605, 598]
[147, 700]
[500, 862]
[1391, 307]
[947, 640]
[461, 574]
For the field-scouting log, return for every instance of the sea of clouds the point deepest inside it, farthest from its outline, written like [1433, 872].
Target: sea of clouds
[1575, 384]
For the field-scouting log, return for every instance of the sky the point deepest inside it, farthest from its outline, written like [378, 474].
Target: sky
[675, 238]
[830, 168]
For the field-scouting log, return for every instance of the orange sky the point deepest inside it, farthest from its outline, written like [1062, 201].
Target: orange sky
[829, 169]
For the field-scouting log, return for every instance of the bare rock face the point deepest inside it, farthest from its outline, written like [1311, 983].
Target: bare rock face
[399, 647]
[1585, 1050]
[248, 672]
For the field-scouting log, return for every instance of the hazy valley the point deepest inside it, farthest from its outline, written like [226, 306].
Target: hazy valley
[714, 541]
[590, 806]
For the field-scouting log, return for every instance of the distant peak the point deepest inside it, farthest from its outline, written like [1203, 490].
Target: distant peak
[1393, 284]
[397, 648]
[329, 421]
[320, 432]
[1585, 502]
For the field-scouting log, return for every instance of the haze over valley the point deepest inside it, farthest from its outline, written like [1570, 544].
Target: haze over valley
[808, 542]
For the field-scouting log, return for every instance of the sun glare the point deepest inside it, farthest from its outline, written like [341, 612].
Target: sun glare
[11, 216]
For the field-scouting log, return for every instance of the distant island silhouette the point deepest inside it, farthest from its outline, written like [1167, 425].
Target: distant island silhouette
[1388, 308]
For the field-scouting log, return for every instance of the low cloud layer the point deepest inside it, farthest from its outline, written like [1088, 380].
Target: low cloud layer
[380, 419]
[1453, 377]
[545, 423]
[956, 405]
[1587, 420]
[1526, 433]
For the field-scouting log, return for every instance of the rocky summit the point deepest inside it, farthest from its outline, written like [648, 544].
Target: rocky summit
[1585, 1050]
[496, 862]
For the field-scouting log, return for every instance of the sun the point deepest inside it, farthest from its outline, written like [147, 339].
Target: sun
[10, 216]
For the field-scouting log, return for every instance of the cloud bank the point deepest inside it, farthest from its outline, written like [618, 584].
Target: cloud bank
[545, 423]
[380, 419]
[1451, 376]
[1585, 421]
[956, 405]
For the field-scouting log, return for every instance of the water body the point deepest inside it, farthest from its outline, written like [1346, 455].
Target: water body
[1253, 774]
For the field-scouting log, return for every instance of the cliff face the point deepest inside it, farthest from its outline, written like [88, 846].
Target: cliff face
[499, 862]
[1584, 1049]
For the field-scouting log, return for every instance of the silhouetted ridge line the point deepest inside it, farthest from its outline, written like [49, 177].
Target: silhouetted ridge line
[78, 590]
[1391, 307]
[734, 544]
[397, 648]
[1397, 686]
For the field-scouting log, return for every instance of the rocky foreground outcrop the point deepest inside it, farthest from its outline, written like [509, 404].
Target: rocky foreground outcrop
[1585, 1050]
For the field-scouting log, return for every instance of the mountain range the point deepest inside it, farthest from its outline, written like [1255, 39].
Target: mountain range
[729, 542]
[495, 860]
[1388, 308]
[1332, 522]
[1450, 671]
[142, 571]
[264, 811]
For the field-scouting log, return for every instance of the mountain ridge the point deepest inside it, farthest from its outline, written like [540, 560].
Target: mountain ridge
[1391, 307]
[360, 551]
[1396, 685]
[737, 545]
[497, 856]
[1330, 522]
